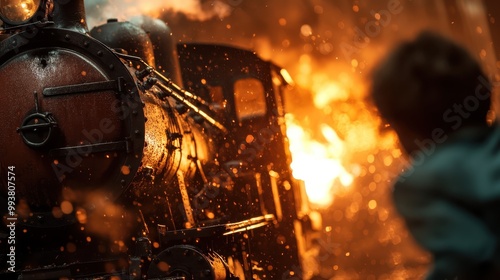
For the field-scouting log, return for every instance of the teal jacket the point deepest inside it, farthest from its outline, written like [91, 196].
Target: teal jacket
[450, 200]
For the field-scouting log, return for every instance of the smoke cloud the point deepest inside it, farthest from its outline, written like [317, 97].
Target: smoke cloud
[98, 11]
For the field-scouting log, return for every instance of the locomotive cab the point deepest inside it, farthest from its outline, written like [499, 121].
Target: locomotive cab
[250, 93]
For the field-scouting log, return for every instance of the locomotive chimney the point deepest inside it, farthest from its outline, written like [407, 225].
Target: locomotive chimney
[165, 50]
[70, 14]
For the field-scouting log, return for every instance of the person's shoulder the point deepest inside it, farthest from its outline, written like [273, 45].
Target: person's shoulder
[462, 164]
[426, 169]
[476, 148]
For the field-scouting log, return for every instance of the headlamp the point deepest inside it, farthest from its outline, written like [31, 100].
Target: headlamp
[17, 12]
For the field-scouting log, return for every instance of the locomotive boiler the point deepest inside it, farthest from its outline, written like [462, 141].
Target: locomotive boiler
[126, 156]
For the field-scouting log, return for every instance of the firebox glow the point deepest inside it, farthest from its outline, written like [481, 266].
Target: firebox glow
[318, 164]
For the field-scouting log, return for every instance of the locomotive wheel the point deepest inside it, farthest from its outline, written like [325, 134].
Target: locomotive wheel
[187, 262]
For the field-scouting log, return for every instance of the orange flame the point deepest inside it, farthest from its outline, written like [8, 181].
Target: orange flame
[328, 160]
[318, 164]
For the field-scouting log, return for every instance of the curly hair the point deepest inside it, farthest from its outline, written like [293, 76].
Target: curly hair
[430, 82]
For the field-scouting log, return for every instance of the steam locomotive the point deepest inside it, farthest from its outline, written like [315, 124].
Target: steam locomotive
[126, 156]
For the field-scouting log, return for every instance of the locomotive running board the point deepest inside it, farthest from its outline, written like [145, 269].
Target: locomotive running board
[116, 85]
[77, 270]
[207, 231]
[90, 149]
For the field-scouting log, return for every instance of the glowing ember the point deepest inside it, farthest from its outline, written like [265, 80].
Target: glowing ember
[318, 164]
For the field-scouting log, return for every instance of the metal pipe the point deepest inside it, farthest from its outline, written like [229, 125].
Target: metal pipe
[70, 14]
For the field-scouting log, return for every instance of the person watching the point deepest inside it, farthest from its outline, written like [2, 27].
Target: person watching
[436, 97]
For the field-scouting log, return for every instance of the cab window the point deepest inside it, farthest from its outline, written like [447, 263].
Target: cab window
[249, 98]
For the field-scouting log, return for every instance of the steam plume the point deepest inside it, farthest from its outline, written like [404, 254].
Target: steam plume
[99, 11]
